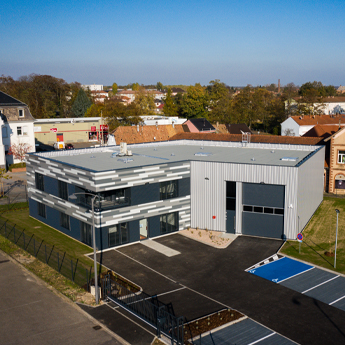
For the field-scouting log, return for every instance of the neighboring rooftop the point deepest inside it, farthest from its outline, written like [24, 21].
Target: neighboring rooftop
[331, 99]
[201, 124]
[309, 120]
[104, 158]
[254, 138]
[238, 128]
[7, 100]
[322, 131]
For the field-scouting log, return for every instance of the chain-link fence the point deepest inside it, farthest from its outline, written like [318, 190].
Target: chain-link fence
[59, 261]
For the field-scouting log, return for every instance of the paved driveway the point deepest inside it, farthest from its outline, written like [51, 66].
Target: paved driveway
[203, 279]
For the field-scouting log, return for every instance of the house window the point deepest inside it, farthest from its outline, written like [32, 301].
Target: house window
[19, 131]
[341, 157]
[63, 191]
[25, 130]
[168, 223]
[20, 112]
[39, 180]
[118, 234]
[41, 210]
[168, 190]
[4, 132]
[85, 234]
[64, 220]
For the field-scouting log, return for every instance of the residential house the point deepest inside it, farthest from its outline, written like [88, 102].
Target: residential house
[199, 125]
[238, 128]
[299, 125]
[17, 127]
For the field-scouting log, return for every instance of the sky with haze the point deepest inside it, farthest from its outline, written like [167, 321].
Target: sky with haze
[176, 42]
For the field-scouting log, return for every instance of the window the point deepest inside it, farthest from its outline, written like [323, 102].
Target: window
[85, 233]
[63, 190]
[118, 234]
[20, 112]
[39, 179]
[4, 132]
[41, 210]
[64, 220]
[19, 131]
[25, 130]
[168, 190]
[341, 157]
[168, 223]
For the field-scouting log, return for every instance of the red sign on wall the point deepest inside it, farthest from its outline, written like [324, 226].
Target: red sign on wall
[93, 128]
[53, 130]
[104, 127]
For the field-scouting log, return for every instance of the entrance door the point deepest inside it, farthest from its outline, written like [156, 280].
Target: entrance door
[59, 137]
[144, 230]
[230, 207]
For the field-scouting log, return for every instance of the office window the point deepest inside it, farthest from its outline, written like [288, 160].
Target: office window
[118, 234]
[168, 223]
[64, 220]
[41, 210]
[341, 157]
[168, 190]
[39, 180]
[86, 234]
[63, 190]
[19, 131]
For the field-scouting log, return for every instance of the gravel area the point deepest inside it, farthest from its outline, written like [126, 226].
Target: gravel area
[212, 238]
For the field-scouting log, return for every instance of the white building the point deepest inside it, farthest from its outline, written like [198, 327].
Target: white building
[94, 87]
[17, 127]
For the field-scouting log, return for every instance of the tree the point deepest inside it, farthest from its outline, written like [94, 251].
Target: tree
[160, 86]
[114, 89]
[3, 176]
[19, 150]
[81, 104]
[216, 90]
[94, 111]
[170, 108]
[135, 86]
[145, 102]
[195, 102]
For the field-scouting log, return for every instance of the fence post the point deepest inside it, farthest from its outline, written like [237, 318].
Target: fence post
[72, 270]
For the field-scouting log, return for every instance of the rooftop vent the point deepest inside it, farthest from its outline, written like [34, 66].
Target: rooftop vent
[125, 160]
[289, 159]
[124, 151]
[253, 159]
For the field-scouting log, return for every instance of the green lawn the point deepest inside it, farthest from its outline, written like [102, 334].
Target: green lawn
[50, 236]
[319, 237]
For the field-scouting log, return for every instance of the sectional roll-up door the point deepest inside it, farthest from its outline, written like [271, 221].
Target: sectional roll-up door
[263, 210]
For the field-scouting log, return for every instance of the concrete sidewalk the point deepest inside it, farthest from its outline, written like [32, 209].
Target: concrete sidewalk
[30, 313]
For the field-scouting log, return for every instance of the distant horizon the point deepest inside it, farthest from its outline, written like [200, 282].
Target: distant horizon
[239, 43]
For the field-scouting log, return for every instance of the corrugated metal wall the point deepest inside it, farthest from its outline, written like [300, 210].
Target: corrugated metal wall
[208, 190]
[310, 188]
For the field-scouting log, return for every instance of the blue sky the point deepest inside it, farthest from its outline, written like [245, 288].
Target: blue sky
[179, 42]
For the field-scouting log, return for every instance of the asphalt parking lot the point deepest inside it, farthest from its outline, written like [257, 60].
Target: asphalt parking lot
[203, 279]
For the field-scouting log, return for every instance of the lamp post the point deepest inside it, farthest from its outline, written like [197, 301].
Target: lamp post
[336, 239]
[94, 196]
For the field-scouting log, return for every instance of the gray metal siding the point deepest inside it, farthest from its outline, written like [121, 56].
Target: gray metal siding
[310, 188]
[208, 195]
[263, 195]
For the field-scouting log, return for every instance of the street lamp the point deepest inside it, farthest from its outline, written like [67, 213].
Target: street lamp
[336, 240]
[94, 196]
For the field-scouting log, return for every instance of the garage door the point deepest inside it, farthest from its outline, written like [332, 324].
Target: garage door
[263, 210]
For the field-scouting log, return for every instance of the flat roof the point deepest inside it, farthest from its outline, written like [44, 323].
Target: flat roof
[104, 158]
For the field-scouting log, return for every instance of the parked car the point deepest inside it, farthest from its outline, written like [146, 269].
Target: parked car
[69, 147]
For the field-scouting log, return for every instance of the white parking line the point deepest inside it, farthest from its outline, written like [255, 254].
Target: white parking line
[314, 287]
[257, 341]
[295, 275]
[337, 300]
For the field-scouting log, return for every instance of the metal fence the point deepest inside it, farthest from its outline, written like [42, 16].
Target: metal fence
[147, 308]
[59, 261]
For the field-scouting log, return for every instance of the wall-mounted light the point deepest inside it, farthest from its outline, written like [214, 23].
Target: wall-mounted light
[206, 178]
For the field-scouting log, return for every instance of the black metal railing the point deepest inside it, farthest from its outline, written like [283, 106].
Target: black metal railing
[103, 203]
[59, 261]
[147, 308]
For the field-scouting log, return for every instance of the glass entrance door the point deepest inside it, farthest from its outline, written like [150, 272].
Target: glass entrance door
[144, 230]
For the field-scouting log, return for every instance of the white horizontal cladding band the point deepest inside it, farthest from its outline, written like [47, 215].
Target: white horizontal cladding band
[136, 177]
[116, 221]
[98, 174]
[98, 178]
[58, 171]
[170, 179]
[160, 209]
[180, 199]
[151, 203]
[179, 173]
[142, 181]
[79, 217]
[117, 187]
[135, 211]
[53, 164]
[146, 169]
[180, 209]
[180, 167]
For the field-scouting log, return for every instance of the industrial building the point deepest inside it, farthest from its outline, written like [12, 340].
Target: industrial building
[153, 189]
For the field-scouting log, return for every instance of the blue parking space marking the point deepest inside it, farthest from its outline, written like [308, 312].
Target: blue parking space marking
[281, 269]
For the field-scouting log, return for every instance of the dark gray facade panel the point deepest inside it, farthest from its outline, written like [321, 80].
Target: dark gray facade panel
[154, 226]
[263, 225]
[144, 193]
[263, 195]
[50, 185]
[184, 187]
[134, 231]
